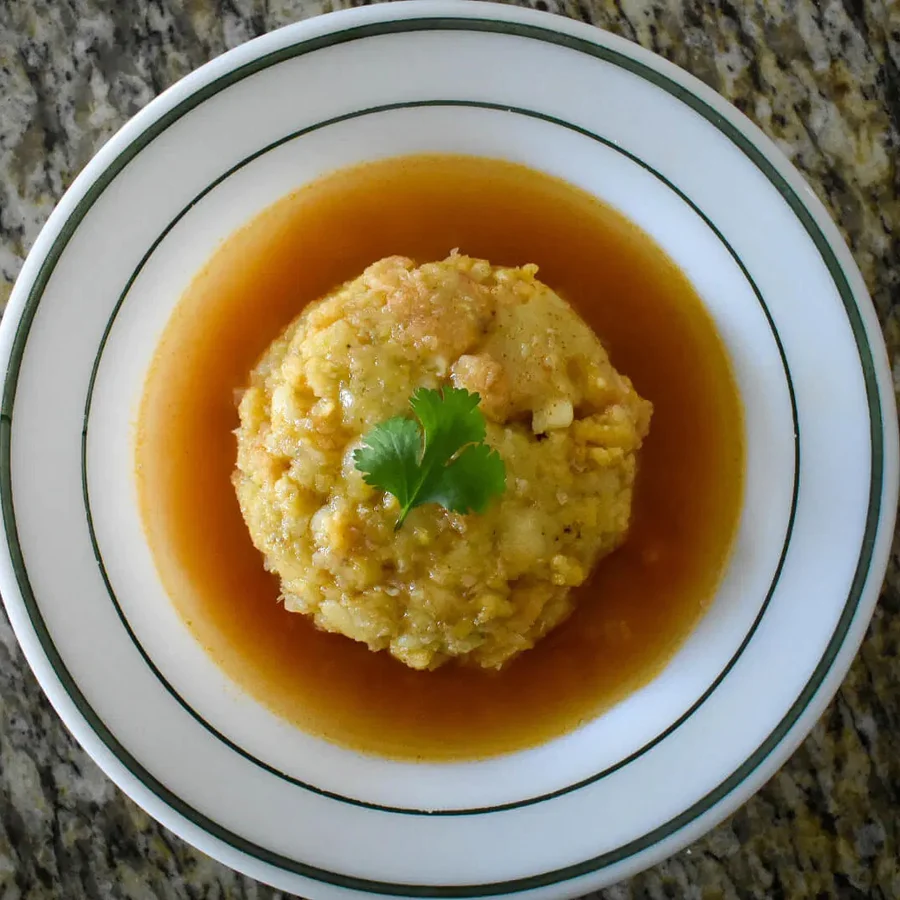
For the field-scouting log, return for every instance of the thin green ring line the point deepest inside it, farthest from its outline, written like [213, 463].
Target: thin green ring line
[754, 155]
[340, 797]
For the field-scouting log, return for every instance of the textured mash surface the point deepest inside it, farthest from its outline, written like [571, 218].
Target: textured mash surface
[477, 587]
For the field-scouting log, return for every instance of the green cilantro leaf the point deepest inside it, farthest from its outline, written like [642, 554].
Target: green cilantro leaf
[390, 458]
[468, 482]
[447, 462]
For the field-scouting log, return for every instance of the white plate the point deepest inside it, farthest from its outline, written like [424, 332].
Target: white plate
[658, 770]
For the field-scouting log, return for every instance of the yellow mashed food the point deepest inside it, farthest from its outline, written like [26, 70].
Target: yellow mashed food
[479, 588]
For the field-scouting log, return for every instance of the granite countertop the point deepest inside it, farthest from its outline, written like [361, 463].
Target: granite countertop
[821, 78]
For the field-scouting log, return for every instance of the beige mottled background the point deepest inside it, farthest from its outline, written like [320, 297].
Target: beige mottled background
[820, 78]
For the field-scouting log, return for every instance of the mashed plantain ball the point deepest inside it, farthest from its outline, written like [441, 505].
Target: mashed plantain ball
[479, 588]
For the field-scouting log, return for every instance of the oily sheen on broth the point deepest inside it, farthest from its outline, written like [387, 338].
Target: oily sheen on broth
[640, 603]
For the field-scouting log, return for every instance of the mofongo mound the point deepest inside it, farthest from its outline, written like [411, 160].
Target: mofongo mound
[480, 588]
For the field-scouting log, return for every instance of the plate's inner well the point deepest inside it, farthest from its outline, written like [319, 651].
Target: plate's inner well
[641, 602]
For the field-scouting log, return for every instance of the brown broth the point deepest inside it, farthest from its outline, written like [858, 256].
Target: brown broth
[641, 602]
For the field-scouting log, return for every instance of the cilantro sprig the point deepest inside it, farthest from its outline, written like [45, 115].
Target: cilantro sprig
[441, 459]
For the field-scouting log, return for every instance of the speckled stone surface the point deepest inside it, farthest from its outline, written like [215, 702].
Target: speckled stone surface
[821, 78]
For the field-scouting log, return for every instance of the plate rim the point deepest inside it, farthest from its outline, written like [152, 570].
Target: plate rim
[131, 139]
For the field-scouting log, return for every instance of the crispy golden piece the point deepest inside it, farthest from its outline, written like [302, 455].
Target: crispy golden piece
[481, 588]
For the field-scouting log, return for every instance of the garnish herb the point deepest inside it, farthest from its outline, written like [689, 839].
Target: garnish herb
[441, 459]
